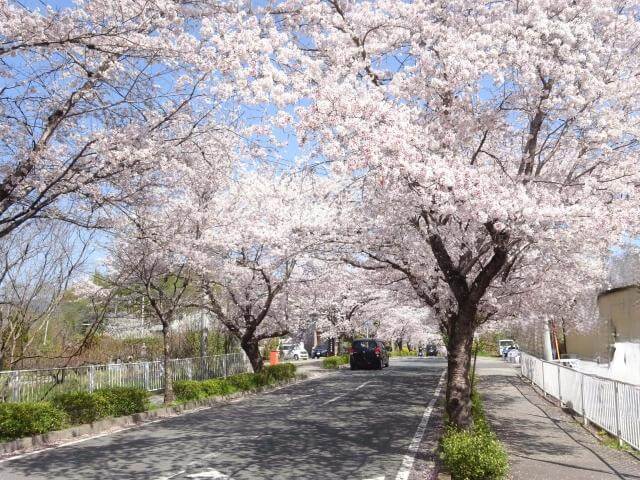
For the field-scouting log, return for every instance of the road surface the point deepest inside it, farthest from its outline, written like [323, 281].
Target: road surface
[344, 425]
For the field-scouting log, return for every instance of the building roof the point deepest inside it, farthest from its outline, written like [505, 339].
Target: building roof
[617, 289]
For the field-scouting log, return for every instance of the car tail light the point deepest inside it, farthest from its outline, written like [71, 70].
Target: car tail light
[377, 351]
[351, 350]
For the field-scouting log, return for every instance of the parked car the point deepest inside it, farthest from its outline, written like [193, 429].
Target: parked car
[293, 352]
[432, 350]
[368, 353]
[320, 351]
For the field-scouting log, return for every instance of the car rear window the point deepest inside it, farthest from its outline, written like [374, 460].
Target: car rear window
[364, 344]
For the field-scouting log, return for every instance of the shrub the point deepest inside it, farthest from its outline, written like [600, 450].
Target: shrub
[23, 419]
[474, 454]
[217, 386]
[124, 400]
[243, 381]
[334, 362]
[277, 373]
[195, 390]
[81, 407]
[403, 353]
[186, 390]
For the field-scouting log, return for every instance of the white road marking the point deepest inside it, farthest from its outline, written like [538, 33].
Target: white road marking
[407, 461]
[360, 386]
[334, 399]
[376, 478]
[210, 473]
[340, 396]
[172, 476]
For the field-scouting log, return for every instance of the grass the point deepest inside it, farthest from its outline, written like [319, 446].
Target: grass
[610, 441]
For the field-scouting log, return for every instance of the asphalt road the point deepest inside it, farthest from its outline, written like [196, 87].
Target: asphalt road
[344, 425]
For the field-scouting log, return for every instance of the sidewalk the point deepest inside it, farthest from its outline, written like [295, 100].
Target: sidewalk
[542, 441]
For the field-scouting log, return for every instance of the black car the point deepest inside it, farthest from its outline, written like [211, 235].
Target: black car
[320, 351]
[432, 350]
[368, 353]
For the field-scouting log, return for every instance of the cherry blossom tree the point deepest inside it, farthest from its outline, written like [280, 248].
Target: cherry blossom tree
[96, 95]
[494, 148]
[408, 324]
[252, 256]
[143, 264]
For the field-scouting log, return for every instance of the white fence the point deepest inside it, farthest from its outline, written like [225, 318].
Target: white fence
[610, 404]
[34, 385]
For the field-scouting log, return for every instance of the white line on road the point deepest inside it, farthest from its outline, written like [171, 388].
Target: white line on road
[334, 399]
[210, 473]
[172, 476]
[365, 383]
[407, 461]
[340, 396]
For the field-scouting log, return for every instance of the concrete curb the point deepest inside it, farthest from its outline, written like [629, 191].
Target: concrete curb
[113, 424]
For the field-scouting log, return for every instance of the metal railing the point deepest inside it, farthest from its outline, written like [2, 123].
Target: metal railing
[35, 385]
[610, 404]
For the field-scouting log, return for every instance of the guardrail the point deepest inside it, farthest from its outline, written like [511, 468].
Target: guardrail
[610, 404]
[35, 385]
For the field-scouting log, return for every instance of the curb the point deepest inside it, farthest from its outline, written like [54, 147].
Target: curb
[114, 424]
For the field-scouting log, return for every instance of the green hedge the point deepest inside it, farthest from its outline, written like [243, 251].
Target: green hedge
[81, 407]
[335, 362]
[124, 400]
[187, 390]
[474, 454]
[276, 373]
[24, 419]
[403, 353]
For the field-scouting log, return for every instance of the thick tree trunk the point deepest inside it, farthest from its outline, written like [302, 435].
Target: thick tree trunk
[458, 397]
[252, 350]
[168, 373]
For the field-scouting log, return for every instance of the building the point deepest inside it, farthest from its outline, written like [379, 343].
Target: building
[619, 321]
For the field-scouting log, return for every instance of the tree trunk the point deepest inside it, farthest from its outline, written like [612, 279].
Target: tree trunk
[458, 398]
[252, 350]
[168, 373]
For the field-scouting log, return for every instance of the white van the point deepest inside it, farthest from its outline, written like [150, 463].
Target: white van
[290, 351]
